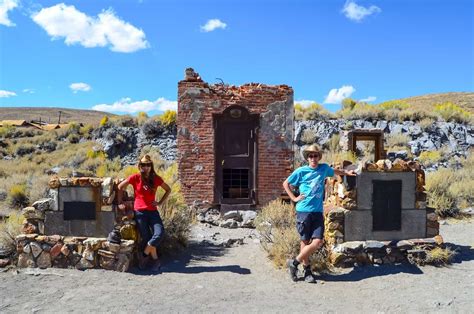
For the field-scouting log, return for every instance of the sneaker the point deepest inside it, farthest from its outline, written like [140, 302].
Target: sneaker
[309, 276]
[155, 265]
[143, 261]
[292, 269]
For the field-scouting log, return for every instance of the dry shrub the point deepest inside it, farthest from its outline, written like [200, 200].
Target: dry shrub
[452, 112]
[309, 136]
[439, 256]
[176, 218]
[168, 118]
[361, 111]
[299, 112]
[397, 141]
[142, 117]
[276, 223]
[426, 123]
[38, 188]
[9, 229]
[429, 158]
[451, 190]
[17, 196]
[334, 157]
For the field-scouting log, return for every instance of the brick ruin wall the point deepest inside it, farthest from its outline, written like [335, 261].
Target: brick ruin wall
[198, 101]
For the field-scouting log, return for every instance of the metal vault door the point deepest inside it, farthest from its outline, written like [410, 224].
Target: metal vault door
[236, 151]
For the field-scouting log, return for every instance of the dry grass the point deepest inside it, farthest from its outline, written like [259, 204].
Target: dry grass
[9, 229]
[429, 158]
[451, 190]
[397, 141]
[276, 223]
[439, 256]
[309, 136]
[51, 115]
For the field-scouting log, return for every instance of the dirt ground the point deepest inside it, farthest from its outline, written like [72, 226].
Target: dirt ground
[211, 278]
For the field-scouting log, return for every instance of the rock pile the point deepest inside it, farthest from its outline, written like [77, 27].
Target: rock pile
[43, 251]
[231, 219]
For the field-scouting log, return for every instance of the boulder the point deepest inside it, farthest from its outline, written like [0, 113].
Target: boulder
[44, 204]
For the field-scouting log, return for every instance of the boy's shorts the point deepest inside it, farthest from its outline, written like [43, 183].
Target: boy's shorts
[310, 225]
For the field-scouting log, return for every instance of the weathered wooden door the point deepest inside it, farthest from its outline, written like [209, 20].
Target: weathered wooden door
[236, 151]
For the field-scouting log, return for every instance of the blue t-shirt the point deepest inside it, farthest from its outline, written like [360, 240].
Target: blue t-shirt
[311, 183]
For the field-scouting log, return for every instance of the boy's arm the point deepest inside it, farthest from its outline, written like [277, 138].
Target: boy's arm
[288, 191]
[342, 172]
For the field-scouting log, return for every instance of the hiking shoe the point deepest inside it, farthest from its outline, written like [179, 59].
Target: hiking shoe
[155, 265]
[309, 276]
[292, 269]
[114, 237]
[143, 261]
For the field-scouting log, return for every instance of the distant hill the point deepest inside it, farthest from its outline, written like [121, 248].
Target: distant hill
[51, 115]
[462, 99]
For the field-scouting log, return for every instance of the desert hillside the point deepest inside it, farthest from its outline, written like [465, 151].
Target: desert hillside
[51, 115]
[462, 99]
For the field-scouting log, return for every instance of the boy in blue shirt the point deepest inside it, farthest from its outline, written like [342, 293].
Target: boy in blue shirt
[309, 207]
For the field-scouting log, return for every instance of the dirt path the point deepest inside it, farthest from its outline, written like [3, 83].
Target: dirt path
[211, 278]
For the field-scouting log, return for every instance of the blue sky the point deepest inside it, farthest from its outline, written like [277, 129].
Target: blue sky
[127, 56]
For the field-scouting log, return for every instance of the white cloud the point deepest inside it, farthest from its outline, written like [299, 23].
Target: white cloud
[305, 102]
[126, 105]
[6, 94]
[213, 25]
[336, 96]
[63, 21]
[369, 99]
[5, 6]
[28, 91]
[80, 87]
[356, 12]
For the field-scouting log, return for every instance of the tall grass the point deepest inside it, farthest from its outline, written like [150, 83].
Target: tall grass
[451, 190]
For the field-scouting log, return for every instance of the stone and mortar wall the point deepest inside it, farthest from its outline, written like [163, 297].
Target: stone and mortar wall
[341, 202]
[35, 249]
[198, 101]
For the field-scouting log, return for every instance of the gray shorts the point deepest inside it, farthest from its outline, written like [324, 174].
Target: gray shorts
[310, 225]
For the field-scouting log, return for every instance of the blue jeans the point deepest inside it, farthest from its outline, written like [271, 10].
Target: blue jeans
[150, 227]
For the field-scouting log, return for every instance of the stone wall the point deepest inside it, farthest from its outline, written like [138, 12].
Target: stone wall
[198, 102]
[341, 206]
[37, 247]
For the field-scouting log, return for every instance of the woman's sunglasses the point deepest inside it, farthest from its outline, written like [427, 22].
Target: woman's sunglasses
[314, 155]
[144, 165]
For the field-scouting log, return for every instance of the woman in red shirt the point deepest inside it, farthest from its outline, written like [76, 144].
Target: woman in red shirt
[150, 225]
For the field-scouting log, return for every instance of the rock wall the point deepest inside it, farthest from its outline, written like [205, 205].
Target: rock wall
[456, 138]
[37, 248]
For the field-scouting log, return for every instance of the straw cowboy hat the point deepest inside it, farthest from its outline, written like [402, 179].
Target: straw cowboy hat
[146, 159]
[311, 149]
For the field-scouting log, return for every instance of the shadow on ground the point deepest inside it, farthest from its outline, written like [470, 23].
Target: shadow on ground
[196, 252]
[369, 271]
[464, 253]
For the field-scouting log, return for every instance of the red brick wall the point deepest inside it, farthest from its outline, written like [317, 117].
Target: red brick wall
[198, 101]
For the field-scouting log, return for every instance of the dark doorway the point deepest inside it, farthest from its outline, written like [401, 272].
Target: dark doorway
[387, 205]
[79, 210]
[236, 146]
